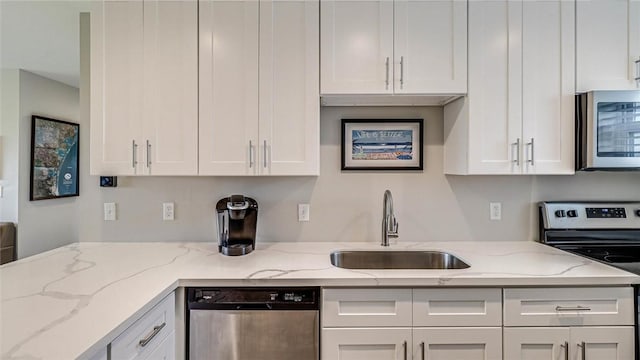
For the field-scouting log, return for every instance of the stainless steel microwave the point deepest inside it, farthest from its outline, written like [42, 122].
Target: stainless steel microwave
[608, 130]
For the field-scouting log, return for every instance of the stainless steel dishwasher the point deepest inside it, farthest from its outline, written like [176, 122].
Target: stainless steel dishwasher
[253, 323]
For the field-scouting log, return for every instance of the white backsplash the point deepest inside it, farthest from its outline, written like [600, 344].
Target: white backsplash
[346, 206]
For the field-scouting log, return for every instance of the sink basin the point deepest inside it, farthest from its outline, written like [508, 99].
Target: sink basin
[396, 260]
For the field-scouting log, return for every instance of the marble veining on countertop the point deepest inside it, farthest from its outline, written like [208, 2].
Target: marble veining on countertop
[69, 302]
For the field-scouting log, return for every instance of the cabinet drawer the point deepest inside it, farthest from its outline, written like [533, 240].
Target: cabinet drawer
[457, 307]
[568, 306]
[127, 345]
[366, 307]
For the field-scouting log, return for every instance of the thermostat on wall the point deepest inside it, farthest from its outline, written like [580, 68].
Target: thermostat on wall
[108, 181]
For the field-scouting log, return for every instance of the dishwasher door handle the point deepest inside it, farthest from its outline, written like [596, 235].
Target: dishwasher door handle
[253, 307]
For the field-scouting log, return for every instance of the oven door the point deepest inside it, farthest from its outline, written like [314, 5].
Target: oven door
[613, 129]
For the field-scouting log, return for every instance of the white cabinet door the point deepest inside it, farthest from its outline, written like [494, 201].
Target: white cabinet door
[116, 88]
[170, 87]
[458, 343]
[228, 107]
[357, 47]
[518, 117]
[548, 86]
[543, 343]
[611, 343]
[608, 44]
[430, 46]
[289, 126]
[366, 343]
[494, 104]
[166, 350]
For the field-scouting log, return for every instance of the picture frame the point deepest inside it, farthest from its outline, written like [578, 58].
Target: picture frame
[55, 159]
[382, 144]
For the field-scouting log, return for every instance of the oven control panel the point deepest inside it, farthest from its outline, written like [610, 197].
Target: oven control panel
[606, 213]
[590, 215]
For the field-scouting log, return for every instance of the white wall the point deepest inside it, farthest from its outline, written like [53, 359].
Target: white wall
[347, 206]
[9, 114]
[45, 224]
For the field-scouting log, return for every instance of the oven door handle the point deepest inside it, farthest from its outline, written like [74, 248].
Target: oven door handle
[573, 308]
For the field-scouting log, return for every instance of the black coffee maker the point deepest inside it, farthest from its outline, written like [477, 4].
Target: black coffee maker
[237, 220]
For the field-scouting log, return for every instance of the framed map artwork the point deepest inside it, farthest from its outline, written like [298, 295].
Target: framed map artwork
[54, 158]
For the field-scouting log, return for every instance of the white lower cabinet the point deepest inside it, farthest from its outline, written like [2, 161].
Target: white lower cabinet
[552, 343]
[569, 323]
[418, 324]
[457, 343]
[366, 343]
[152, 336]
[578, 323]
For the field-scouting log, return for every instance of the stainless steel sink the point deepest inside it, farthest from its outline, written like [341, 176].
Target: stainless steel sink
[396, 260]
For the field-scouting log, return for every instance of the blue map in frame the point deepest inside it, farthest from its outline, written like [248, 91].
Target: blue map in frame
[54, 171]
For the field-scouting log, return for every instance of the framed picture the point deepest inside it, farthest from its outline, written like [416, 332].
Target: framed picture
[54, 158]
[382, 144]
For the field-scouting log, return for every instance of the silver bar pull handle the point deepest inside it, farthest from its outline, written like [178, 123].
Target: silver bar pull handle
[250, 154]
[154, 332]
[404, 346]
[637, 78]
[386, 80]
[531, 159]
[134, 148]
[148, 154]
[401, 72]
[583, 350]
[573, 308]
[264, 155]
[566, 350]
[422, 349]
[517, 157]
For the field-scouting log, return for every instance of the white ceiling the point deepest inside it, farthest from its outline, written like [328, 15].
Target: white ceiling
[42, 37]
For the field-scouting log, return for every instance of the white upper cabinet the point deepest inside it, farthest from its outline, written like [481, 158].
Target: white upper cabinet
[170, 107]
[519, 113]
[116, 87]
[144, 88]
[430, 47]
[289, 88]
[393, 47]
[608, 44]
[357, 47]
[548, 87]
[228, 87]
[259, 91]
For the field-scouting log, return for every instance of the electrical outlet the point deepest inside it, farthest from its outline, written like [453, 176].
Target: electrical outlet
[168, 211]
[495, 211]
[303, 212]
[109, 211]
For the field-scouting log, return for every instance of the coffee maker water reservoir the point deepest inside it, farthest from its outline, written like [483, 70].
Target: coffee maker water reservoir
[237, 220]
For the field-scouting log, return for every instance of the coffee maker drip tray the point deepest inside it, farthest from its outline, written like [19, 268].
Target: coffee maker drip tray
[236, 249]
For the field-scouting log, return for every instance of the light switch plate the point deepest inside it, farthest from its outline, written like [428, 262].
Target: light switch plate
[303, 212]
[109, 211]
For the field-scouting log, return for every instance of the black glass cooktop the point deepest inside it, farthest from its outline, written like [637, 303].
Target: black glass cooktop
[626, 257]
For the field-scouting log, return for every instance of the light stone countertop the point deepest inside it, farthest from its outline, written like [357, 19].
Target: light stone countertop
[69, 302]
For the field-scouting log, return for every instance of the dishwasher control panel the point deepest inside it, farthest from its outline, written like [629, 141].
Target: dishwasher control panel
[256, 298]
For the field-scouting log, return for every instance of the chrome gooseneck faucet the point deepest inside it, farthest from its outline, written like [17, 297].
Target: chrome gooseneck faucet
[389, 223]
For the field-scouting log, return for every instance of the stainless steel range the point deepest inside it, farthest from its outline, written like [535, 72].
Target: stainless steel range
[608, 232]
